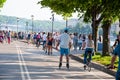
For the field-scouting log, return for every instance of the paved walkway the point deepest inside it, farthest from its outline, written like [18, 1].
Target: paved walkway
[20, 61]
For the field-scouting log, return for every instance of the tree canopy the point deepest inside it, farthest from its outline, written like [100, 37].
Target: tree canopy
[88, 7]
[2, 3]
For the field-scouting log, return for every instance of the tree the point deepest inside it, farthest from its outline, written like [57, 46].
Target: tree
[2, 3]
[95, 11]
[111, 13]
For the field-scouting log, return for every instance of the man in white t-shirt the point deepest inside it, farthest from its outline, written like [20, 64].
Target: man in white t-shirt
[64, 41]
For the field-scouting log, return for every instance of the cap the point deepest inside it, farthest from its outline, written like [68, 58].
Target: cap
[66, 30]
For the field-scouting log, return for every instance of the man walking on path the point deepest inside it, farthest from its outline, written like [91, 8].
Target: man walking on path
[64, 41]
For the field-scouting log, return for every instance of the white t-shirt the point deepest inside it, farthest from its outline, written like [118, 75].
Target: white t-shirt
[64, 40]
[44, 37]
[89, 44]
[41, 34]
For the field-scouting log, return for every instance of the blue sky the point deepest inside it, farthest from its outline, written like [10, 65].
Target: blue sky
[26, 8]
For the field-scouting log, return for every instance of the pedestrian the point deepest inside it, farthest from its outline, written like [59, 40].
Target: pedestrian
[1, 37]
[49, 43]
[9, 37]
[15, 36]
[71, 40]
[44, 37]
[80, 41]
[116, 53]
[37, 38]
[83, 42]
[28, 38]
[57, 40]
[75, 41]
[64, 41]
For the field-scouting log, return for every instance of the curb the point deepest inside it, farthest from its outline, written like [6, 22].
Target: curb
[94, 65]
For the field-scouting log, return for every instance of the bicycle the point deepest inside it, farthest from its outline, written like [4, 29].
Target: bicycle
[89, 64]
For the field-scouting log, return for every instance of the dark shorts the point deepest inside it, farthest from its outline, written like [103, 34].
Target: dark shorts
[15, 36]
[50, 43]
[117, 50]
[38, 40]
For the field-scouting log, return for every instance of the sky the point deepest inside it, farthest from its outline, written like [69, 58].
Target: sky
[26, 8]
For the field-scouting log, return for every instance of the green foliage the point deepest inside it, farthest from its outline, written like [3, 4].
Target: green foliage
[2, 3]
[109, 9]
[106, 60]
[58, 6]
[97, 53]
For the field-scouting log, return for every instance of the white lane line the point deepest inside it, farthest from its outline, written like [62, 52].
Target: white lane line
[20, 63]
[26, 69]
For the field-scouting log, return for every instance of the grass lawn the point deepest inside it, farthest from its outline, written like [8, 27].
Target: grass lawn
[106, 60]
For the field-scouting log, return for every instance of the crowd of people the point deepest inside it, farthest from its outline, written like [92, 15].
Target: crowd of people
[63, 42]
[5, 36]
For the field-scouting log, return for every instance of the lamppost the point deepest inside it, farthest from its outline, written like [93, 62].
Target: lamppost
[17, 24]
[52, 22]
[66, 23]
[27, 26]
[32, 16]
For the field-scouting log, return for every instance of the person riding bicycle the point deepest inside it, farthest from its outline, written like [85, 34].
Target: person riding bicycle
[116, 53]
[89, 49]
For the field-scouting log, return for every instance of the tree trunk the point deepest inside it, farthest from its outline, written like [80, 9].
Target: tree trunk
[95, 33]
[96, 38]
[119, 26]
[95, 24]
[93, 30]
[106, 41]
[119, 22]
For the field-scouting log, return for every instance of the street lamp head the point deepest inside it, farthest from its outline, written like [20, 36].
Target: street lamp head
[52, 17]
[32, 16]
[18, 19]
[52, 14]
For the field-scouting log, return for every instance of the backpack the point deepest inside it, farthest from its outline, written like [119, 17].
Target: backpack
[38, 36]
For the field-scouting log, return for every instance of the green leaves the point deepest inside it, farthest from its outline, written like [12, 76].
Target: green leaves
[109, 8]
[1, 3]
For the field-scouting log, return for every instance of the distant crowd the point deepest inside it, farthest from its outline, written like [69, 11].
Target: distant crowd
[48, 39]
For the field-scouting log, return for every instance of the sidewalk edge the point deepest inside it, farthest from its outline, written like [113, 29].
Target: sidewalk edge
[94, 65]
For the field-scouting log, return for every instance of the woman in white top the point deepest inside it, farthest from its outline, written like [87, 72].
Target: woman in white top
[89, 49]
